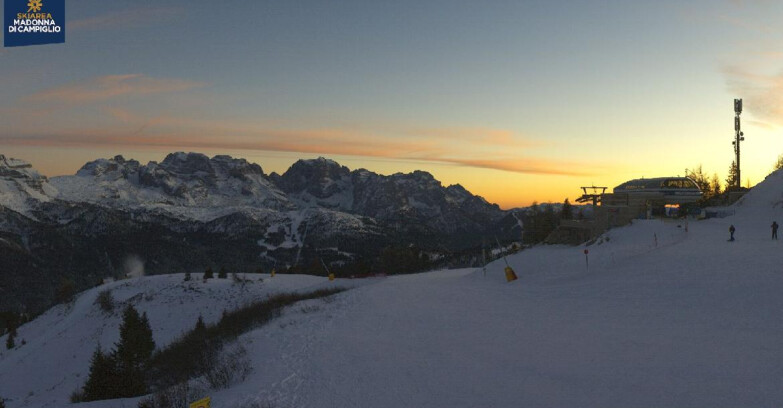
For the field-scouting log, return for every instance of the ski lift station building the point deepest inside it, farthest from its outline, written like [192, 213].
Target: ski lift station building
[654, 192]
[638, 198]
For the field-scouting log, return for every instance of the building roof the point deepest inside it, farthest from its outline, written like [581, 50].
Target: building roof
[657, 183]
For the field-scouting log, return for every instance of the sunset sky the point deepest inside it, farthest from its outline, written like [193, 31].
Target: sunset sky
[518, 101]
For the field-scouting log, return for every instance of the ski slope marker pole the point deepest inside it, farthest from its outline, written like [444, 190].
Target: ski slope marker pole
[484, 255]
[587, 263]
[500, 248]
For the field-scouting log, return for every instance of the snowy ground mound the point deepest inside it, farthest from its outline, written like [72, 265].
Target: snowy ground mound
[764, 202]
[661, 313]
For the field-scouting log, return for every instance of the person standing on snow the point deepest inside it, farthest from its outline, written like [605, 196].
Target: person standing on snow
[774, 230]
[731, 232]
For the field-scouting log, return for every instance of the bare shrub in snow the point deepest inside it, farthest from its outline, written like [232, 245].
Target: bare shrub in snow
[255, 403]
[232, 366]
[76, 396]
[105, 301]
[309, 309]
[65, 291]
[176, 396]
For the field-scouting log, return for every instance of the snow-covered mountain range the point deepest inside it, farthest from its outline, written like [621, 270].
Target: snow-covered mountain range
[192, 211]
[181, 180]
[191, 185]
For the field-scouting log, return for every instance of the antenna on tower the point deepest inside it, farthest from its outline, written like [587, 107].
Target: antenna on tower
[738, 137]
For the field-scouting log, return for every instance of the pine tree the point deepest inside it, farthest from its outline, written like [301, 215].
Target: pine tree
[531, 224]
[567, 212]
[121, 373]
[778, 164]
[731, 181]
[698, 176]
[103, 381]
[208, 274]
[715, 188]
[200, 328]
[133, 352]
[222, 273]
[10, 341]
[549, 221]
[200, 349]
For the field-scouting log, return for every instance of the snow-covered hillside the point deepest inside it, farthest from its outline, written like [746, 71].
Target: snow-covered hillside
[662, 313]
[762, 201]
[54, 359]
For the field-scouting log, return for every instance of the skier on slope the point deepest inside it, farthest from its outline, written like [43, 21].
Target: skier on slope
[731, 232]
[774, 230]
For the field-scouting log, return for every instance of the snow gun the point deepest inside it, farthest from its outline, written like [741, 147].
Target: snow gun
[510, 275]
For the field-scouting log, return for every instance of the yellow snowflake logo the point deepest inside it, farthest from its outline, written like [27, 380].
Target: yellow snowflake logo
[35, 5]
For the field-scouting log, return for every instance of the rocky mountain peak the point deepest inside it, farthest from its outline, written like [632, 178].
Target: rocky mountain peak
[116, 166]
[457, 189]
[417, 180]
[22, 187]
[187, 163]
[236, 167]
[320, 166]
[21, 172]
[199, 166]
[9, 166]
[319, 177]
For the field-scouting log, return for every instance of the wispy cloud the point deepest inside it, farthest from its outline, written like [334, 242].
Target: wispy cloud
[125, 19]
[324, 141]
[45, 119]
[111, 86]
[760, 124]
[762, 94]
[747, 24]
[528, 165]
[771, 55]
[488, 136]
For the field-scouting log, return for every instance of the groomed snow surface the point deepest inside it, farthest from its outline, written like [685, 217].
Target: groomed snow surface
[662, 317]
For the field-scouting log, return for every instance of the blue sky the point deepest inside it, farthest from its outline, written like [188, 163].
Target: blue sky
[519, 101]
